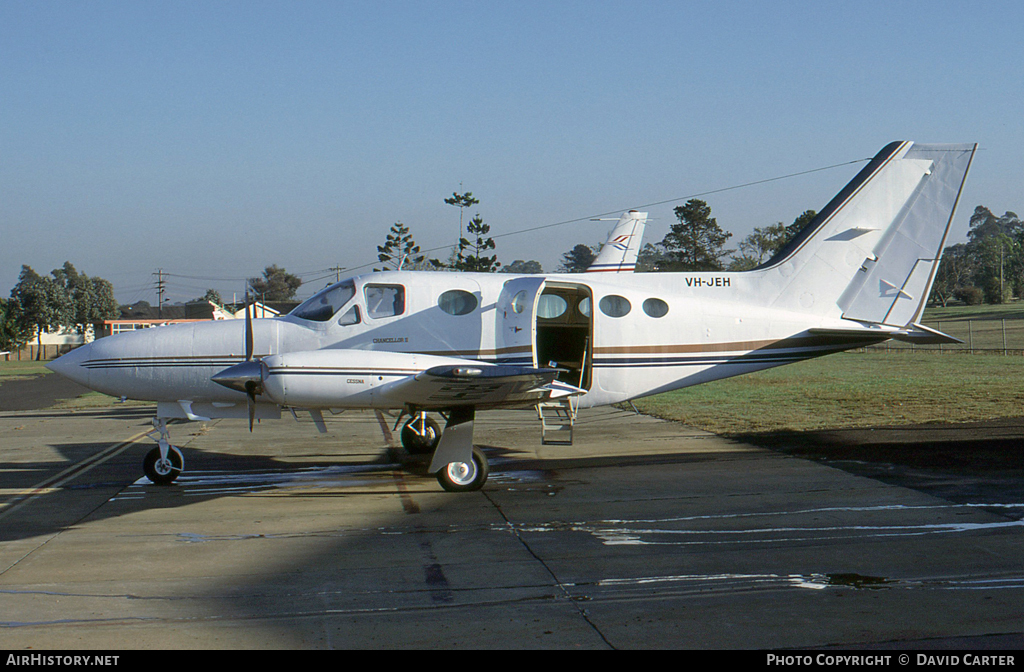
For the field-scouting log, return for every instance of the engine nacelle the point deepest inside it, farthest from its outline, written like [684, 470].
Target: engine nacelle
[343, 378]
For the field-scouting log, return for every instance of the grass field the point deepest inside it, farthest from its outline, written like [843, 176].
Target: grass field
[856, 389]
[1008, 311]
[981, 328]
[16, 370]
[97, 400]
[10, 371]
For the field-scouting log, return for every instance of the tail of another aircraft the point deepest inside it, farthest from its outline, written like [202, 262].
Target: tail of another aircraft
[871, 255]
[619, 253]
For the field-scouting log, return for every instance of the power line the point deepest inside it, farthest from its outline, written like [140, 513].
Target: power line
[335, 271]
[684, 198]
[656, 203]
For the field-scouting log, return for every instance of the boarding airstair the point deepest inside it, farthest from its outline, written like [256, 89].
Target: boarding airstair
[557, 418]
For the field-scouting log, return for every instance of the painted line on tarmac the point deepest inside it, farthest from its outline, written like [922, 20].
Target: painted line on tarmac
[57, 481]
[388, 436]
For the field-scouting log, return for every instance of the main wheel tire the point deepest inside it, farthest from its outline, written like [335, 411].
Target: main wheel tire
[421, 444]
[465, 476]
[163, 472]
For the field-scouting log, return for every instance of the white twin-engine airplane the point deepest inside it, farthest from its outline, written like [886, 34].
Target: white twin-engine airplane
[456, 343]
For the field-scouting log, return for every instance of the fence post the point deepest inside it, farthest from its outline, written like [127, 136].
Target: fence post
[970, 336]
[1004, 334]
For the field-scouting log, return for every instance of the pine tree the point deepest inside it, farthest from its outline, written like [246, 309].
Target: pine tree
[695, 242]
[475, 261]
[578, 259]
[399, 250]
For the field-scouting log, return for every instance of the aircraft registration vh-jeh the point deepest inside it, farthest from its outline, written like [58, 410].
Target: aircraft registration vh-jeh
[451, 344]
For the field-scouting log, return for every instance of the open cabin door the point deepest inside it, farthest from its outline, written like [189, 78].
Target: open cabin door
[565, 331]
[516, 328]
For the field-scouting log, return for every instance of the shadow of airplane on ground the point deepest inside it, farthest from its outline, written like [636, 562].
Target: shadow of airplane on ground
[978, 462]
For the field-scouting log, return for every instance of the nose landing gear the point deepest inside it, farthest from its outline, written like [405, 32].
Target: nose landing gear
[164, 463]
[421, 435]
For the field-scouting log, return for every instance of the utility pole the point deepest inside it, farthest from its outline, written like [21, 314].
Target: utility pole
[337, 272]
[160, 287]
[1001, 295]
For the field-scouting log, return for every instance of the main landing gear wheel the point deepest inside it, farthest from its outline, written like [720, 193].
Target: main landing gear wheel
[465, 476]
[421, 435]
[163, 471]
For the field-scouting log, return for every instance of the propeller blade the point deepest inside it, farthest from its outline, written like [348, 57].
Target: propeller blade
[250, 398]
[248, 330]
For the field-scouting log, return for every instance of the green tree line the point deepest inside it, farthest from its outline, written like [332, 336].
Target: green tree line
[989, 267]
[65, 299]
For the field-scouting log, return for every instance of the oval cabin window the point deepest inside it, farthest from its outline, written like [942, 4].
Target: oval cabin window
[615, 306]
[518, 304]
[655, 307]
[551, 306]
[457, 302]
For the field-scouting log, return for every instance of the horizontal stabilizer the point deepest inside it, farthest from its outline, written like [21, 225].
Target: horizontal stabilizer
[917, 334]
[867, 333]
[922, 335]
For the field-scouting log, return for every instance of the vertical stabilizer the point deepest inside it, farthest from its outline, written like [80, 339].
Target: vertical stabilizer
[872, 253]
[893, 284]
[619, 253]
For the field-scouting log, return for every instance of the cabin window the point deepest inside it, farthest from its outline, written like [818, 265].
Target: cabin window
[551, 306]
[384, 300]
[323, 305]
[655, 307]
[584, 306]
[457, 302]
[519, 301]
[351, 316]
[615, 306]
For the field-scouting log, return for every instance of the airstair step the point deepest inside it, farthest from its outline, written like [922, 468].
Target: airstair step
[557, 419]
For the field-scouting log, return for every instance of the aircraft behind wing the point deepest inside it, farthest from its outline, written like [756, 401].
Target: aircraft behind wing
[619, 253]
[416, 343]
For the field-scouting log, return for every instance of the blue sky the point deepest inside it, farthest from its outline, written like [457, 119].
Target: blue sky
[212, 139]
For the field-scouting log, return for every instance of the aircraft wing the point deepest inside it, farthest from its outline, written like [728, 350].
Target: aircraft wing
[500, 385]
[332, 378]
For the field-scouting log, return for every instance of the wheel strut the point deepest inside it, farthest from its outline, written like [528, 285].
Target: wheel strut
[164, 463]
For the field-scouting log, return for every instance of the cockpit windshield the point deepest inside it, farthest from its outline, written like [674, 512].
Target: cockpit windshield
[322, 306]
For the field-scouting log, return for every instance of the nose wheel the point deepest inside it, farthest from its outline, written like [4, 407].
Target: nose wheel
[164, 463]
[421, 435]
[162, 470]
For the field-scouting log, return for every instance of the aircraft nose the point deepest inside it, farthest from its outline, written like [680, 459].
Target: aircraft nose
[71, 365]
